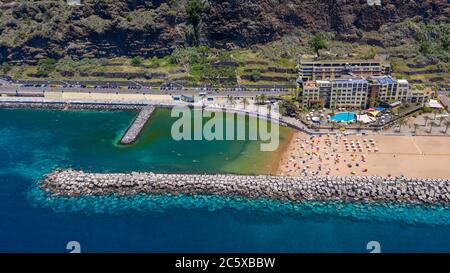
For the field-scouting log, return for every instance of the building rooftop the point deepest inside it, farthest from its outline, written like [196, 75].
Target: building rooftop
[383, 80]
[351, 80]
[445, 100]
[435, 104]
[342, 61]
[322, 81]
[310, 85]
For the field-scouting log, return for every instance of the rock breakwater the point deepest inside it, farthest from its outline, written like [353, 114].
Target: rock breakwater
[138, 124]
[295, 189]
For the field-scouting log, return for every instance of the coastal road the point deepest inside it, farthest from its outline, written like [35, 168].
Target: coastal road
[37, 91]
[4, 83]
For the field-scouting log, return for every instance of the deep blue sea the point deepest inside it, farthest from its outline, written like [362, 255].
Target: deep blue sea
[34, 142]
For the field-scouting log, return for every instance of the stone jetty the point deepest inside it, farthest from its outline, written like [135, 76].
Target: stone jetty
[294, 189]
[138, 124]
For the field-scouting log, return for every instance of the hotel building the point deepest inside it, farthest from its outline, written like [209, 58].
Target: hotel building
[388, 89]
[360, 93]
[328, 70]
[350, 92]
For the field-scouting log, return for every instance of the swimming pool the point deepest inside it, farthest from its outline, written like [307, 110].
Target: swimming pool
[344, 117]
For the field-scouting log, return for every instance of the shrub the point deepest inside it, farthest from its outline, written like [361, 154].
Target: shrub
[288, 108]
[194, 9]
[6, 68]
[255, 76]
[136, 61]
[45, 67]
[427, 110]
[317, 43]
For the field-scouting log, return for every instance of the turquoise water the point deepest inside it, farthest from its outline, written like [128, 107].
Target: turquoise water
[34, 142]
[344, 117]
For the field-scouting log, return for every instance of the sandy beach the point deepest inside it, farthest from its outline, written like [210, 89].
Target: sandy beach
[415, 157]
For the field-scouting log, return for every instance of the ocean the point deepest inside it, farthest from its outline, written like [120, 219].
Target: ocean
[35, 142]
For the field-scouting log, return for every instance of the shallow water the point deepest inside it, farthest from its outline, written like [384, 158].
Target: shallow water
[34, 142]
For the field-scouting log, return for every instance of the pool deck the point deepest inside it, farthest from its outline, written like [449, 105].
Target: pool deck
[344, 117]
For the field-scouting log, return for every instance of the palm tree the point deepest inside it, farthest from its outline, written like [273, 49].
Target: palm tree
[333, 125]
[318, 42]
[415, 127]
[441, 119]
[401, 122]
[360, 125]
[257, 99]
[230, 100]
[432, 124]
[297, 93]
[447, 124]
[245, 102]
[426, 118]
[262, 98]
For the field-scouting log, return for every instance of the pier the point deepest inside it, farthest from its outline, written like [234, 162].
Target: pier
[138, 124]
[293, 189]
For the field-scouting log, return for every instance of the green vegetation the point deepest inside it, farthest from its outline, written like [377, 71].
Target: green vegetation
[194, 9]
[5, 68]
[318, 42]
[434, 40]
[255, 76]
[202, 64]
[417, 51]
[164, 64]
[427, 110]
[261, 99]
[289, 108]
[136, 61]
[45, 67]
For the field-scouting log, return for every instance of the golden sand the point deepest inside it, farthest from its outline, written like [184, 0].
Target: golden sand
[418, 157]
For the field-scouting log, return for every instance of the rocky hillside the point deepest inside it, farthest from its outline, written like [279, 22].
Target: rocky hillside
[32, 30]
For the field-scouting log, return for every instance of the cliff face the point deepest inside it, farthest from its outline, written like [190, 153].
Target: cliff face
[31, 30]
